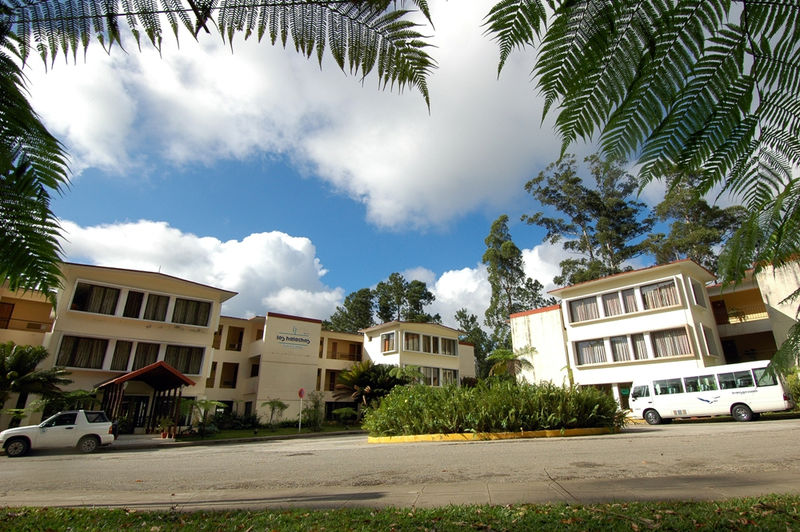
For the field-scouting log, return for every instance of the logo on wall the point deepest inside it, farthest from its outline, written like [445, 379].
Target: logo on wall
[294, 339]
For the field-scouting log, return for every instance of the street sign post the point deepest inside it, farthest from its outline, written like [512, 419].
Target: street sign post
[300, 393]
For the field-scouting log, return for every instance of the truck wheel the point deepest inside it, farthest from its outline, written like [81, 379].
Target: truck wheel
[88, 444]
[652, 417]
[17, 447]
[741, 412]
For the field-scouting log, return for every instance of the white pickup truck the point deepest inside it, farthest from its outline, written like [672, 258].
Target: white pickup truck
[84, 429]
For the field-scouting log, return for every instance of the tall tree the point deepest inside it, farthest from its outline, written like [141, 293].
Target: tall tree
[512, 290]
[18, 374]
[697, 229]
[398, 299]
[475, 335]
[603, 225]
[355, 313]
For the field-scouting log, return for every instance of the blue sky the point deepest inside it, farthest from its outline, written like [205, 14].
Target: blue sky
[259, 172]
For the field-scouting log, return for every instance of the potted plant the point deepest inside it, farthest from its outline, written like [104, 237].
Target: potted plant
[164, 425]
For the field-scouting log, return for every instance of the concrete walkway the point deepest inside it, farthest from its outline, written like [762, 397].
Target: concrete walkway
[127, 442]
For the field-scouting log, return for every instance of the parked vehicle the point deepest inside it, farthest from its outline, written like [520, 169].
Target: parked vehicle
[85, 430]
[741, 390]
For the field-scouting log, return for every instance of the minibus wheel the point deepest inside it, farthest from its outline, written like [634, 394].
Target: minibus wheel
[652, 417]
[741, 412]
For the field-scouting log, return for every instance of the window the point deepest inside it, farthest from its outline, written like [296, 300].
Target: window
[639, 346]
[658, 295]
[765, 377]
[449, 376]
[78, 352]
[387, 342]
[735, 379]
[711, 345]
[430, 376]
[629, 300]
[156, 308]
[212, 376]
[234, 339]
[703, 383]
[229, 376]
[255, 367]
[640, 391]
[191, 312]
[411, 341]
[426, 343]
[670, 343]
[668, 386]
[122, 354]
[583, 309]
[434, 344]
[612, 305]
[697, 292]
[619, 348]
[133, 304]
[448, 346]
[591, 352]
[184, 358]
[146, 354]
[93, 298]
[62, 420]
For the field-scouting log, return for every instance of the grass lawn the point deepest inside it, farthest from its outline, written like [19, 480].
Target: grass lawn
[761, 513]
[250, 433]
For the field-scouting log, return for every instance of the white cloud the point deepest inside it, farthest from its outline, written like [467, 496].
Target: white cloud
[270, 271]
[125, 112]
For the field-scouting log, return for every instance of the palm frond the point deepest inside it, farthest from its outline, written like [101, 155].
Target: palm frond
[358, 33]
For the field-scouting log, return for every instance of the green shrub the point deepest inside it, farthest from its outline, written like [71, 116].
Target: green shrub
[793, 387]
[497, 406]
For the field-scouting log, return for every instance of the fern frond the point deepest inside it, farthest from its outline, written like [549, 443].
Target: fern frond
[514, 24]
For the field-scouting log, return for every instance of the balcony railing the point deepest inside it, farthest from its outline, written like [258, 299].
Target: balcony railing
[345, 356]
[26, 325]
[744, 313]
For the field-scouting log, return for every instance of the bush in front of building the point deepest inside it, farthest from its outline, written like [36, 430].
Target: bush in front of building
[793, 386]
[495, 406]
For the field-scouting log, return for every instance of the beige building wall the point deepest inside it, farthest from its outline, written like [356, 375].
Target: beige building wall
[543, 330]
[776, 284]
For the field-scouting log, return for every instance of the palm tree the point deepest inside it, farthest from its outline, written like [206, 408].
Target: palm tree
[18, 374]
[708, 86]
[507, 363]
[362, 36]
[365, 382]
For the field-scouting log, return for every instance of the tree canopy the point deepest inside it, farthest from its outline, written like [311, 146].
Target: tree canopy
[398, 299]
[354, 314]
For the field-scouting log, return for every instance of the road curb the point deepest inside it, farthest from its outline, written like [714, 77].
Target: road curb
[161, 444]
[483, 436]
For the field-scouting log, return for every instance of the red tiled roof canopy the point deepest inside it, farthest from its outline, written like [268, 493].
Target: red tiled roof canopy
[159, 375]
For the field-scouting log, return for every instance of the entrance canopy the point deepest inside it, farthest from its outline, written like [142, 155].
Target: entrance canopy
[166, 383]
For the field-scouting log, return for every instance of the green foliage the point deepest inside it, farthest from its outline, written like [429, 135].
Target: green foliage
[276, 410]
[601, 224]
[475, 335]
[367, 383]
[18, 374]
[793, 384]
[497, 406]
[33, 164]
[355, 314]
[361, 36]
[398, 299]
[507, 363]
[314, 411]
[512, 290]
[202, 411]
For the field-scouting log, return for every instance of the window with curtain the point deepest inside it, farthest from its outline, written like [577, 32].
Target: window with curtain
[191, 312]
[387, 342]
[449, 376]
[448, 346]
[591, 352]
[698, 293]
[612, 305]
[411, 341]
[156, 308]
[670, 343]
[146, 354]
[619, 348]
[95, 298]
[122, 354]
[79, 352]
[629, 300]
[133, 304]
[658, 295]
[639, 346]
[430, 376]
[583, 309]
[185, 359]
[426, 343]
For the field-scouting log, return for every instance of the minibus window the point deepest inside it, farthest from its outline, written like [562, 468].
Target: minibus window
[668, 386]
[640, 391]
[703, 383]
[736, 379]
[765, 377]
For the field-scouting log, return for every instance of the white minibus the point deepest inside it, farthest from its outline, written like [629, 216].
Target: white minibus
[741, 390]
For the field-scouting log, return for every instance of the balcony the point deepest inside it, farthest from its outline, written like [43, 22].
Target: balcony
[354, 357]
[742, 314]
[26, 325]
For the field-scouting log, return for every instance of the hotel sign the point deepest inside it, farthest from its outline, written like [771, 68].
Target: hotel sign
[293, 339]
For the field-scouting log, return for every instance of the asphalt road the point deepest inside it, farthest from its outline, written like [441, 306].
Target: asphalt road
[342, 470]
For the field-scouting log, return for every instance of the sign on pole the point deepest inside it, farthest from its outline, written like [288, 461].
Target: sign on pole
[300, 393]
